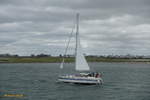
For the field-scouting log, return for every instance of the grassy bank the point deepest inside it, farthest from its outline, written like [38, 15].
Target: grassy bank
[33, 60]
[58, 59]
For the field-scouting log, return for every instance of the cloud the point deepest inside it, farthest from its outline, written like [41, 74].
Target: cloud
[106, 26]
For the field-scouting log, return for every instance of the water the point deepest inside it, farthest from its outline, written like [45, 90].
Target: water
[37, 81]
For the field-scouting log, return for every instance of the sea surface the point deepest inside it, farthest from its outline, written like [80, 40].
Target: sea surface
[38, 81]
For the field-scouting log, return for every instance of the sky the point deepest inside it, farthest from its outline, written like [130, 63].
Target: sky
[117, 27]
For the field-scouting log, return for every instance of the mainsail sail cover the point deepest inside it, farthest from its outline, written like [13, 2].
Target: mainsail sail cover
[81, 63]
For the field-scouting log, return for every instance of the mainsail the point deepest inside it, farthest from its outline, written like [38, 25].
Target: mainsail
[80, 64]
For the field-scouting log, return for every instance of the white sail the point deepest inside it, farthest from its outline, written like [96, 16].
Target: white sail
[81, 63]
[62, 64]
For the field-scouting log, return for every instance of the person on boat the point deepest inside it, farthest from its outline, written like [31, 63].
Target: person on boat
[90, 75]
[93, 74]
[96, 75]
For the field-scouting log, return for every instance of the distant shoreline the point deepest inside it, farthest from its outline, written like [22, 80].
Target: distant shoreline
[68, 59]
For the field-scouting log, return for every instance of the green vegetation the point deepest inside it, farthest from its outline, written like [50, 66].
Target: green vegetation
[67, 59]
[29, 59]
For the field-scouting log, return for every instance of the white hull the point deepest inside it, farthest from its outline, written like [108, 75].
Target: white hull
[80, 80]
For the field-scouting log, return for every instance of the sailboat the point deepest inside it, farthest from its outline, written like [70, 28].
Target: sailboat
[84, 76]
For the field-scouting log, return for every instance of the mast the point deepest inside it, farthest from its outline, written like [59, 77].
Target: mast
[77, 35]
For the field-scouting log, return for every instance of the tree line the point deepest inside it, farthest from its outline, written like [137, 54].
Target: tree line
[128, 56]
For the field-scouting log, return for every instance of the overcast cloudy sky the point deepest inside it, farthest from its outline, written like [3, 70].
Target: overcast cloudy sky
[106, 26]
